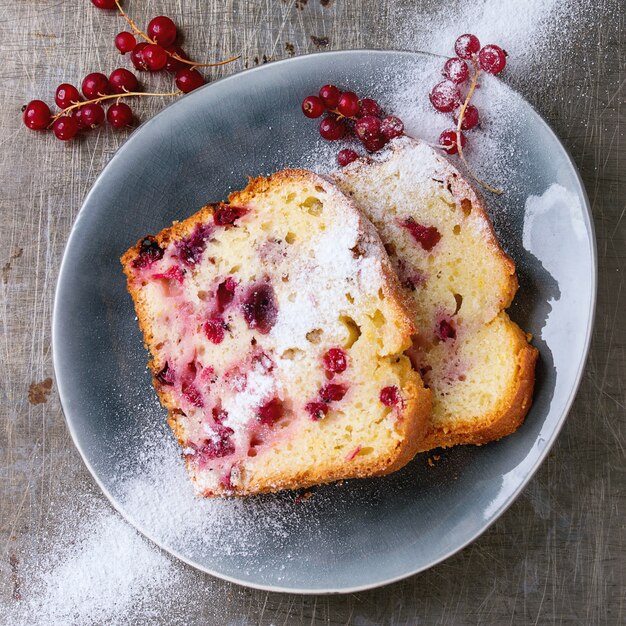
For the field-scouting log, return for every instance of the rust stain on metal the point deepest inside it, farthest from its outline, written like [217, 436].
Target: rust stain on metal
[6, 268]
[320, 42]
[38, 392]
[14, 562]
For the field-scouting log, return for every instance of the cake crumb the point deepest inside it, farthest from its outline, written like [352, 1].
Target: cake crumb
[432, 460]
[303, 497]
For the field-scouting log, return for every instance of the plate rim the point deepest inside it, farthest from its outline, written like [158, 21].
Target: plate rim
[550, 440]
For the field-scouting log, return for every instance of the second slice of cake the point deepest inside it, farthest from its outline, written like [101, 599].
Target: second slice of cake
[277, 329]
[478, 363]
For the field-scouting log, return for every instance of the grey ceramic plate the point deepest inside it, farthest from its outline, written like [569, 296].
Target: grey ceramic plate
[364, 533]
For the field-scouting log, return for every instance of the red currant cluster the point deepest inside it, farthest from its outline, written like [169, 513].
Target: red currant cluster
[77, 114]
[446, 95]
[347, 114]
[158, 51]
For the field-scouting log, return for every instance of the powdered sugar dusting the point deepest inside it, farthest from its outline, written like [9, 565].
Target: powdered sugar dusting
[97, 572]
[242, 407]
[159, 497]
[317, 301]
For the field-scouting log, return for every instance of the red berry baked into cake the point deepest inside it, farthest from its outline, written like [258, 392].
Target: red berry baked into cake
[277, 329]
[477, 362]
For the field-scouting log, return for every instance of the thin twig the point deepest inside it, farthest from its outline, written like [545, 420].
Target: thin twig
[126, 94]
[458, 132]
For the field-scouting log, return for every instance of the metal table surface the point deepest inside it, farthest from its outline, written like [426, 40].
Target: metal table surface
[559, 554]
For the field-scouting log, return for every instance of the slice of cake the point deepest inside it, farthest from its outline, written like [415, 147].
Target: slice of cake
[477, 362]
[277, 330]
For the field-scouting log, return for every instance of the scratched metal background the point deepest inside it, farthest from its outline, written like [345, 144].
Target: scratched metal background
[558, 555]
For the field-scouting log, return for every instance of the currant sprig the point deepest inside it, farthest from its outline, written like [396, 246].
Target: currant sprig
[162, 34]
[446, 95]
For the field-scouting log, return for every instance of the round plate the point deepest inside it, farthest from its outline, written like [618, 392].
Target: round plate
[354, 535]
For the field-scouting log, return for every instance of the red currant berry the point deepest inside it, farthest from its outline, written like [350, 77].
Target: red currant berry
[95, 84]
[332, 129]
[335, 360]
[346, 156]
[37, 115]
[154, 57]
[313, 107]
[92, 115]
[348, 104]
[125, 42]
[123, 81]
[162, 30]
[119, 115]
[270, 412]
[470, 118]
[466, 46]
[492, 59]
[317, 410]
[65, 128]
[447, 139]
[374, 144]
[445, 96]
[136, 56]
[456, 70]
[445, 330]
[173, 65]
[104, 4]
[77, 114]
[330, 96]
[66, 95]
[391, 127]
[389, 396]
[332, 393]
[189, 79]
[367, 128]
[368, 106]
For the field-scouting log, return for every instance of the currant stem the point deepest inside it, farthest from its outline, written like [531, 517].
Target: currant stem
[194, 65]
[458, 131]
[143, 35]
[111, 96]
